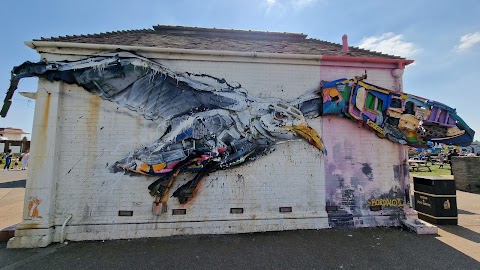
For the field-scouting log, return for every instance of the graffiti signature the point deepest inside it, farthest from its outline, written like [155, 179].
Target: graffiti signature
[387, 202]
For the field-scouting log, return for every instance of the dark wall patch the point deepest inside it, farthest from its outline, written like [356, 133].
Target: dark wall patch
[396, 173]
[367, 170]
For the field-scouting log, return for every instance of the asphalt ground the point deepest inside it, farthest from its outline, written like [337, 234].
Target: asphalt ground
[368, 248]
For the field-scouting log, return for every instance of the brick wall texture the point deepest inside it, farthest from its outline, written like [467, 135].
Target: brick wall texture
[93, 133]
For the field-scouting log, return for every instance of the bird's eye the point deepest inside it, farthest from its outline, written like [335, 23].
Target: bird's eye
[279, 116]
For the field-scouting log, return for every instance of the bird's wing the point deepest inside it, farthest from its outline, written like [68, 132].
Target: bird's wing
[139, 84]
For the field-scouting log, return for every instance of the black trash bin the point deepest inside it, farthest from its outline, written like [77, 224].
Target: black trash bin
[435, 200]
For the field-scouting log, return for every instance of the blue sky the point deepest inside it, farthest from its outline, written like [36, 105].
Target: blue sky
[443, 37]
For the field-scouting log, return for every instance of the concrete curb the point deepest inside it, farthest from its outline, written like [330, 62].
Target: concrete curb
[419, 226]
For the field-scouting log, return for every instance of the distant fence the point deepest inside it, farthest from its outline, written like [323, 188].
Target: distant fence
[466, 171]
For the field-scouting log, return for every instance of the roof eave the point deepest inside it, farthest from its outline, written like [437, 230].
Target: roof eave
[110, 47]
[398, 61]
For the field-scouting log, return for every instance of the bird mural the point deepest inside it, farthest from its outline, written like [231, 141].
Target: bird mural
[212, 124]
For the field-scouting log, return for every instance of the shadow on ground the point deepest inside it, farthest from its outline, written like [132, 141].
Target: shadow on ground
[14, 184]
[465, 212]
[462, 232]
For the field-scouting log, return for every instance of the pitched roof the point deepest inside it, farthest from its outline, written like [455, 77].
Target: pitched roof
[164, 36]
[11, 130]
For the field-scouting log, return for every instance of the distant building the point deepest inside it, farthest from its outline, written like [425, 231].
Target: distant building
[473, 148]
[11, 138]
[14, 134]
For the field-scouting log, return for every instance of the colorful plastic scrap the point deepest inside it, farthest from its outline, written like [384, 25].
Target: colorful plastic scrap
[400, 117]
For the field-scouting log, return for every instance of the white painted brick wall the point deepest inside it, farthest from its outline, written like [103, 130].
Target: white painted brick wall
[96, 133]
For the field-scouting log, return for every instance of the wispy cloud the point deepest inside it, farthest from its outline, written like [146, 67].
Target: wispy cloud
[281, 7]
[468, 41]
[390, 43]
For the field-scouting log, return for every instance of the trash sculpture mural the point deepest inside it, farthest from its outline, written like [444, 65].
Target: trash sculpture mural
[213, 125]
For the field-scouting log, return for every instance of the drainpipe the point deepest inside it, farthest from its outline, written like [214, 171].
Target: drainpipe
[62, 234]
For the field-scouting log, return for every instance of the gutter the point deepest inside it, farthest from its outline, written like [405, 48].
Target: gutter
[340, 58]
[109, 47]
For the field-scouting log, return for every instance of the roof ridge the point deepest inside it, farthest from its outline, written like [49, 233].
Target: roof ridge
[227, 33]
[167, 27]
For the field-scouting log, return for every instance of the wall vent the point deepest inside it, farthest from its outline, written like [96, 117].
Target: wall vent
[331, 208]
[125, 213]
[179, 212]
[236, 210]
[285, 209]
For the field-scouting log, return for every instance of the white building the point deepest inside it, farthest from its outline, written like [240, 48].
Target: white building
[72, 194]
[13, 134]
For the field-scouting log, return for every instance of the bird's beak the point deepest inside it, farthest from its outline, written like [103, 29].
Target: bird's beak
[309, 134]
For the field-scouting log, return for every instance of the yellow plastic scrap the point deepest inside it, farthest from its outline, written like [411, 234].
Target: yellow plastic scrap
[408, 122]
[309, 134]
[159, 167]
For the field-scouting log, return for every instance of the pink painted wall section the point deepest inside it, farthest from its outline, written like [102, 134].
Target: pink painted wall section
[363, 182]
[364, 174]
[376, 74]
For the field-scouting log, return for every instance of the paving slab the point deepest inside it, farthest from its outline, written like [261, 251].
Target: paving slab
[12, 175]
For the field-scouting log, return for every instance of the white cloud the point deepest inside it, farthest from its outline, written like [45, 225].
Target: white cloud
[281, 7]
[390, 43]
[467, 41]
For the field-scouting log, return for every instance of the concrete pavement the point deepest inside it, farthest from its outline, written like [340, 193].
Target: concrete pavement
[12, 192]
[466, 236]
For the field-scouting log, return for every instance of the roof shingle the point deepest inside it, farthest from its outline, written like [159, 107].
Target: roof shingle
[164, 36]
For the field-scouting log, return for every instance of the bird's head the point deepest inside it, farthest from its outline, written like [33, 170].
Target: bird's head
[285, 122]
